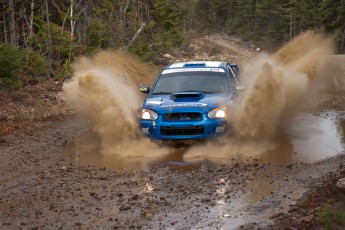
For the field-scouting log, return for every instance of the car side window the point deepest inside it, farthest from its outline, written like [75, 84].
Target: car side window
[233, 78]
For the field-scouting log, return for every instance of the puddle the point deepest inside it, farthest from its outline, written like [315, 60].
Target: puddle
[174, 161]
[85, 150]
[309, 139]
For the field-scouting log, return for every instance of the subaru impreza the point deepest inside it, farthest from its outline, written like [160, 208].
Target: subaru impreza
[190, 100]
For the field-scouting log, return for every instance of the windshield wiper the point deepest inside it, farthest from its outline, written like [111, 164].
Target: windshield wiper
[206, 92]
[196, 91]
[185, 91]
[161, 93]
[209, 92]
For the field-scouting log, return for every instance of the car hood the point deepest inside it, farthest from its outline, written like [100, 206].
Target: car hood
[168, 103]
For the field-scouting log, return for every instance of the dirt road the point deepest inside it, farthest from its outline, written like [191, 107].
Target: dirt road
[49, 182]
[41, 188]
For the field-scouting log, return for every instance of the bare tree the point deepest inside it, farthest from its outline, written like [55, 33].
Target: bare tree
[13, 36]
[72, 19]
[49, 42]
[123, 11]
[31, 19]
[4, 22]
[342, 43]
[136, 35]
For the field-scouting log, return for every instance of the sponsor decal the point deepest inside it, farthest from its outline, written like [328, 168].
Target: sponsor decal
[193, 70]
[184, 105]
[154, 102]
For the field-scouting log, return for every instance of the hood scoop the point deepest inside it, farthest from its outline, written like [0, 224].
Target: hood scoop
[187, 95]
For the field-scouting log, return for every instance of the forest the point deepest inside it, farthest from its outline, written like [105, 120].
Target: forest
[40, 38]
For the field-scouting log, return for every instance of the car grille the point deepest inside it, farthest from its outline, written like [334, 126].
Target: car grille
[183, 117]
[182, 131]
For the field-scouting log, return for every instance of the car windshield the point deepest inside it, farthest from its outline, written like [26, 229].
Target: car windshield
[193, 81]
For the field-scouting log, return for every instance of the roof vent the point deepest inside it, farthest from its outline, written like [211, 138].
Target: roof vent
[194, 65]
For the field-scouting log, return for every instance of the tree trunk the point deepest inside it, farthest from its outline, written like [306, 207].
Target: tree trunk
[72, 30]
[13, 36]
[31, 32]
[49, 42]
[72, 20]
[136, 35]
[4, 20]
[342, 44]
[291, 24]
[123, 11]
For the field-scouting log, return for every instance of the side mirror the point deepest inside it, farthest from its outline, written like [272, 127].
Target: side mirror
[240, 88]
[145, 89]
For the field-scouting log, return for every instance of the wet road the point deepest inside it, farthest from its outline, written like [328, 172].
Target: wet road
[47, 191]
[308, 139]
[46, 182]
[231, 192]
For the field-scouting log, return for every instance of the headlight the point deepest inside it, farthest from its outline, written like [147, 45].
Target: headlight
[217, 113]
[147, 114]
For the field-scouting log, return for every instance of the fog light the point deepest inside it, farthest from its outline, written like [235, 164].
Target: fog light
[145, 130]
[220, 129]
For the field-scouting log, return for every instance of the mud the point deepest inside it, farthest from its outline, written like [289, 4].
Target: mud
[104, 88]
[308, 139]
[41, 188]
[275, 83]
[54, 177]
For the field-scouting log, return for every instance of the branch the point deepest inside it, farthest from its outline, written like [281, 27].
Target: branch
[136, 35]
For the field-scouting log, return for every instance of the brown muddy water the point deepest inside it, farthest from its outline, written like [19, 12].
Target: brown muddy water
[104, 87]
[309, 138]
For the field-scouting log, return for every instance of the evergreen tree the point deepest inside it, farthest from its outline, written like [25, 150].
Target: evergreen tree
[10, 60]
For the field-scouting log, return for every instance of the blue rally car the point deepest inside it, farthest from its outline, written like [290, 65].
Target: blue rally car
[190, 100]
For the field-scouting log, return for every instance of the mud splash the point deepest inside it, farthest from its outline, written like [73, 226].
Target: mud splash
[275, 85]
[104, 87]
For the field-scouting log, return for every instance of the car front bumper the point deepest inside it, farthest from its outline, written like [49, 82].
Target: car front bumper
[183, 130]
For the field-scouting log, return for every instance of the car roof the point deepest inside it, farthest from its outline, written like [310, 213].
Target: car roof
[196, 64]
